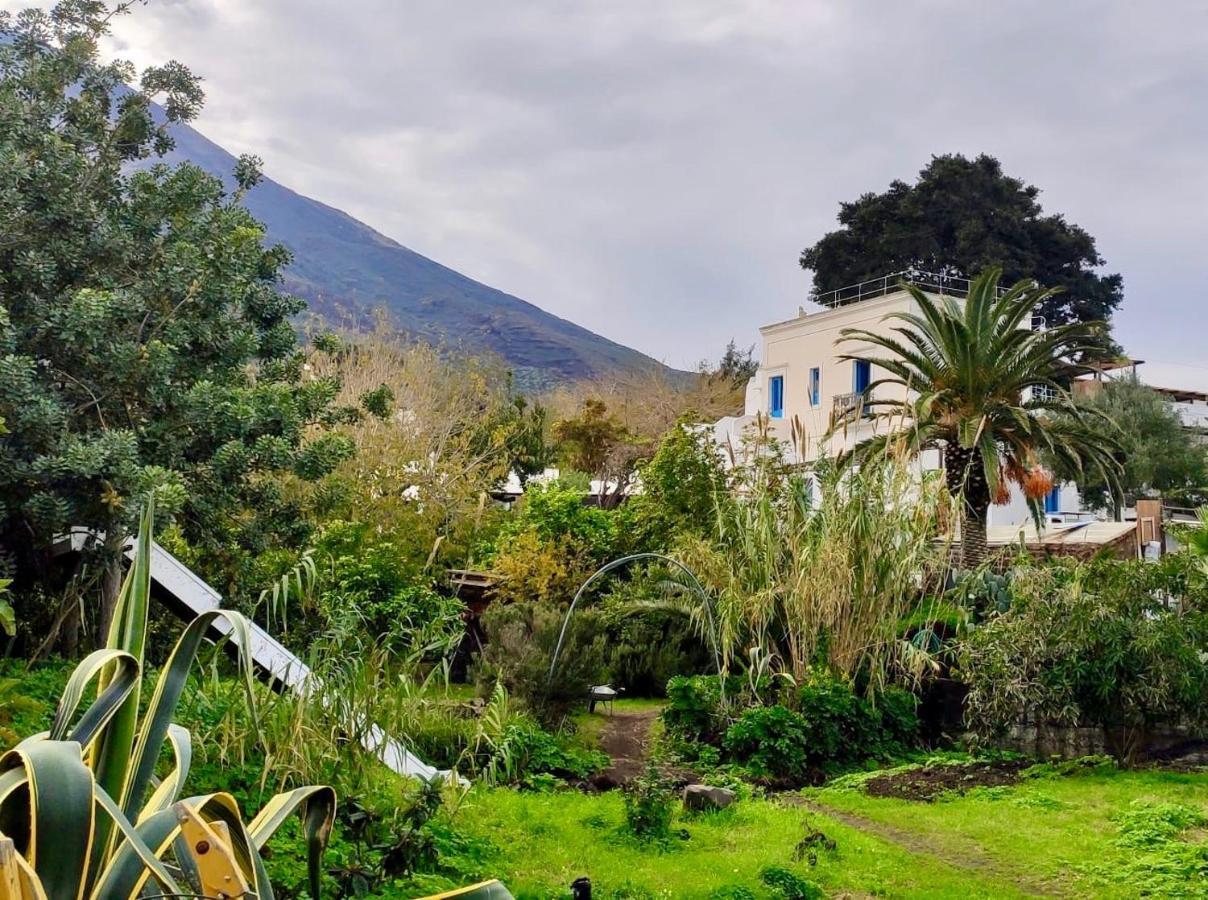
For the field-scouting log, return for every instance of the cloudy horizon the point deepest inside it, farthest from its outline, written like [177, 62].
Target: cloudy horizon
[652, 171]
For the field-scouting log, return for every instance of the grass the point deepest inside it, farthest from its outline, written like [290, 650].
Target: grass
[545, 841]
[1097, 833]
[1068, 836]
[1062, 834]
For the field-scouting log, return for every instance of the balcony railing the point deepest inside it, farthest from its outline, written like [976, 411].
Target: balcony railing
[850, 406]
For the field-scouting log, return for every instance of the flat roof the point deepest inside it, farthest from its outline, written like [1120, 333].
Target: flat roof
[1063, 535]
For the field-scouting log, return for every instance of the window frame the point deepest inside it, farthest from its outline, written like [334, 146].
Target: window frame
[776, 396]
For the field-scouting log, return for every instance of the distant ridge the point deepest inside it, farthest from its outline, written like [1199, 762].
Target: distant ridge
[342, 265]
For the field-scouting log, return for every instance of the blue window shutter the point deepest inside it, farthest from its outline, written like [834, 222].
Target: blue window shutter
[1052, 500]
[776, 396]
[862, 376]
[815, 386]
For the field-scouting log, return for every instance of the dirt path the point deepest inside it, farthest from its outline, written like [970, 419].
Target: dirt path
[626, 740]
[972, 858]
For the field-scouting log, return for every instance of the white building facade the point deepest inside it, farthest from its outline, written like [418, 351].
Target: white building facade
[804, 388]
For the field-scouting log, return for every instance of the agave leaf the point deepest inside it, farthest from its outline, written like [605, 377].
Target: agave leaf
[128, 632]
[167, 694]
[50, 811]
[131, 846]
[122, 673]
[318, 811]
[127, 872]
[168, 790]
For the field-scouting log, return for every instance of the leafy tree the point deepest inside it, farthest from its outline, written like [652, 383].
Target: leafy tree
[972, 379]
[598, 444]
[963, 216]
[143, 341]
[1158, 456]
[681, 486]
[735, 367]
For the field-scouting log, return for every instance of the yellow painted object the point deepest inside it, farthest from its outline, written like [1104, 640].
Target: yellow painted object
[17, 879]
[209, 844]
[484, 890]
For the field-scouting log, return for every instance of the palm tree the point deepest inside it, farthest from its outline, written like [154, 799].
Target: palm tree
[987, 390]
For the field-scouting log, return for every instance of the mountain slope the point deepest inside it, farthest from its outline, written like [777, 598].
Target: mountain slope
[341, 264]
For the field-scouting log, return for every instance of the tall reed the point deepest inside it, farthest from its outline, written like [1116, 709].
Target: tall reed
[817, 568]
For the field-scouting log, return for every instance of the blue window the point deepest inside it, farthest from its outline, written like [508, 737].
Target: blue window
[776, 396]
[1052, 500]
[861, 375]
[815, 386]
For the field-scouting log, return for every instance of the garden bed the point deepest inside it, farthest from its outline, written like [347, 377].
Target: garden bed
[926, 783]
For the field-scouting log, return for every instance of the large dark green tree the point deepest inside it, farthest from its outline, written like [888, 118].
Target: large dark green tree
[143, 341]
[960, 217]
[973, 380]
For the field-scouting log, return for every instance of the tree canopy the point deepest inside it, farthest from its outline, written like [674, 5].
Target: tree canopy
[960, 217]
[143, 341]
[1158, 455]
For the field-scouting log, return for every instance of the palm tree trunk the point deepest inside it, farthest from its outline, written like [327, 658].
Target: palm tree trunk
[973, 536]
[967, 484]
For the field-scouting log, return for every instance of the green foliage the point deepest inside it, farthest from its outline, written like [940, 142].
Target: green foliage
[143, 341]
[1159, 456]
[771, 741]
[966, 376]
[962, 216]
[556, 512]
[650, 805]
[369, 584]
[788, 885]
[595, 442]
[820, 570]
[695, 710]
[520, 645]
[822, 725]
[76, 791]
[982, 592]
[8, 618]
[1164, 859]
[681, 486]
[647, 646]
[1089, 644]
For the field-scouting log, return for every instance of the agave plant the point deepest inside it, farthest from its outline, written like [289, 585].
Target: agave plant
[82, 813]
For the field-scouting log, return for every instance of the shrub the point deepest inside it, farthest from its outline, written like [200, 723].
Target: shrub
[647, 646]
[369, 585]
[520, 644]
[899, 718]
[650, 805]
[531, 751]
[694, 711]
[788, 885]
[534, 569]
[771, 740]
[557, 512]
[1088, 644]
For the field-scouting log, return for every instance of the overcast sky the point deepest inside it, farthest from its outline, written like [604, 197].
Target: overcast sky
[652, 170]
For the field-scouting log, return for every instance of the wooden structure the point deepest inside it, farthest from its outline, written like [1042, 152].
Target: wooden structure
[1081, 540]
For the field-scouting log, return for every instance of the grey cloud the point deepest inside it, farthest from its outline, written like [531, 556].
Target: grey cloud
[652, 170]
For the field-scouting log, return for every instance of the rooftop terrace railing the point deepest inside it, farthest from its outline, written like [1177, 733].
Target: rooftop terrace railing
[932, 282]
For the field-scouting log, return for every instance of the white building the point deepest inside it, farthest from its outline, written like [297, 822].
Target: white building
[802, 380]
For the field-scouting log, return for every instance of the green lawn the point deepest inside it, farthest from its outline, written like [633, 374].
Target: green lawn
[1054, 836]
